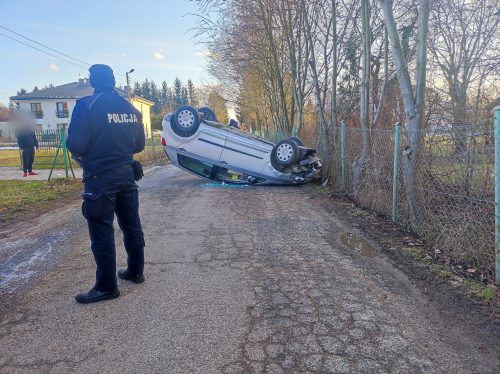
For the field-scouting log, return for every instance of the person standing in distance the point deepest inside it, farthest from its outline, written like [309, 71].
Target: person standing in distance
[27, 141]
[104, 133]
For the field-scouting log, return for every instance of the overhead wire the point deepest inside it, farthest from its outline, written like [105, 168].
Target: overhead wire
[49, 48]
[45, 46]
[41, 50]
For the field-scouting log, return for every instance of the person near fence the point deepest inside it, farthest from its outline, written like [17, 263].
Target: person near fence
[26, 139]
[104, 133]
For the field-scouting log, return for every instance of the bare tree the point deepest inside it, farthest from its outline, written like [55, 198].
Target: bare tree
[364, 105]
[322, 141]
[465, 47]
[413, 99]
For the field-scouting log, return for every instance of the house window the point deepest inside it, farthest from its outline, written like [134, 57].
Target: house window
[36, 108]
[62, 110]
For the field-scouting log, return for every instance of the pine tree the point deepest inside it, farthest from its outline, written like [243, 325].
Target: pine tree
[22, 91]
[167, 99]
[192, 99]
[35, 89]
[146, 89]
[177, 92]
[137, 89]
[13, 106]
[184, 96]
[155, 97]
[164, 92]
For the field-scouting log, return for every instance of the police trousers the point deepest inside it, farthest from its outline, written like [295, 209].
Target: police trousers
[28, 159]
[113, 192]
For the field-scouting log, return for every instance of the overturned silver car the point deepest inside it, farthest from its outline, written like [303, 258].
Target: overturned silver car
[195, 141]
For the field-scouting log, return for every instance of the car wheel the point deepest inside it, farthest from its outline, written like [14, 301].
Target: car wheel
[208, 114]
[185, 121]
[296, 140]
[285, 153]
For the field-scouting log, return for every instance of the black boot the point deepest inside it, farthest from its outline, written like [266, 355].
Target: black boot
[93, 296]
[124, 274]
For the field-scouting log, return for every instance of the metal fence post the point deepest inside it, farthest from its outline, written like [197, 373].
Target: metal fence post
[497, 196]
[55, 159]
[395, 172]
[65, 152]
[342, 152]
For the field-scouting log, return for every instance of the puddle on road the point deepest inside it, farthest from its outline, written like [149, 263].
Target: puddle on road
[355, 243]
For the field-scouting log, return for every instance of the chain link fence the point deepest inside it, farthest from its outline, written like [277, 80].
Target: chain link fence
[153, 153]
[454, 186]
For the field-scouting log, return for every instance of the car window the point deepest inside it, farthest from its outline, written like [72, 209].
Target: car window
[215, 172]
[235, 177]
[231, 176]
[196, 166]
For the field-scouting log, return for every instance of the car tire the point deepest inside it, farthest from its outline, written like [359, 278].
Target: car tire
[285, 153]
[185, 121]
[296, 140]
[208, 114]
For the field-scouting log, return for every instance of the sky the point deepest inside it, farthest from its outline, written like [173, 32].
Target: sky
[153, 37]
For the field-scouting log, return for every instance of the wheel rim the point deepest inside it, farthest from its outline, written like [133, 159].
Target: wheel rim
[284, 152]
[185, 119]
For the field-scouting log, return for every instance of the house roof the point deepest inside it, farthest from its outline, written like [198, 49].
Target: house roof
[73, 90]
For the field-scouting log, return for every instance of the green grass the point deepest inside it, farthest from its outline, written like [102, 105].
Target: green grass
[9, 157]
[441, 270]
[358, 212]
[414, 252]
[474, 287]
[18, 196]
[43, 159]
[480, 290]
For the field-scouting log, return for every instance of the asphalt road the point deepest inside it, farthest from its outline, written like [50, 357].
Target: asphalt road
[238, 280]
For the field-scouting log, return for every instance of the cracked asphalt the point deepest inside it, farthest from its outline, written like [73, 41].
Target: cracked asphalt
[238, 280]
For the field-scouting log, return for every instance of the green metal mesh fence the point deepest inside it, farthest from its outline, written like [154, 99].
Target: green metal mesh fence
[454, 184]
[153, 152]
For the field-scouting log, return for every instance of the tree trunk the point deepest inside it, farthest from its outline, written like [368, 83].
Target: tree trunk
[459, 102]
[359, 164]
[322, 143]
[333, 101]
[414, 105]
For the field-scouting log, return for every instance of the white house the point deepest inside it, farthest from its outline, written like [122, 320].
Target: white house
[52, 107]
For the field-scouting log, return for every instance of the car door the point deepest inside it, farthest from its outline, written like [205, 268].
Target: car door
[207, 145]
[243, 153]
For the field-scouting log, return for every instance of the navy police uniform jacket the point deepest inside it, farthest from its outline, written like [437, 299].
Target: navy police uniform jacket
[105, 131]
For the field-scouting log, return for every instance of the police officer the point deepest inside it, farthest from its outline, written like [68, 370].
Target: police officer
[104, 133]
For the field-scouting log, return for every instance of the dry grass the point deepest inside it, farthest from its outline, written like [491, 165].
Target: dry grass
[10, 157]
[18, 196]
[43, 159]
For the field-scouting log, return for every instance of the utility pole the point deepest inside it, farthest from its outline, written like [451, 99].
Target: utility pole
[128, 83]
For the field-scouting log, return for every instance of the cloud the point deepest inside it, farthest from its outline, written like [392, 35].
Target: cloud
[202, 54]
[159, 56]
[54, 67]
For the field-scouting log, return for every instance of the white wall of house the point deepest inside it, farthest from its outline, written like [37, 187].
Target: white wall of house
[50, 120]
